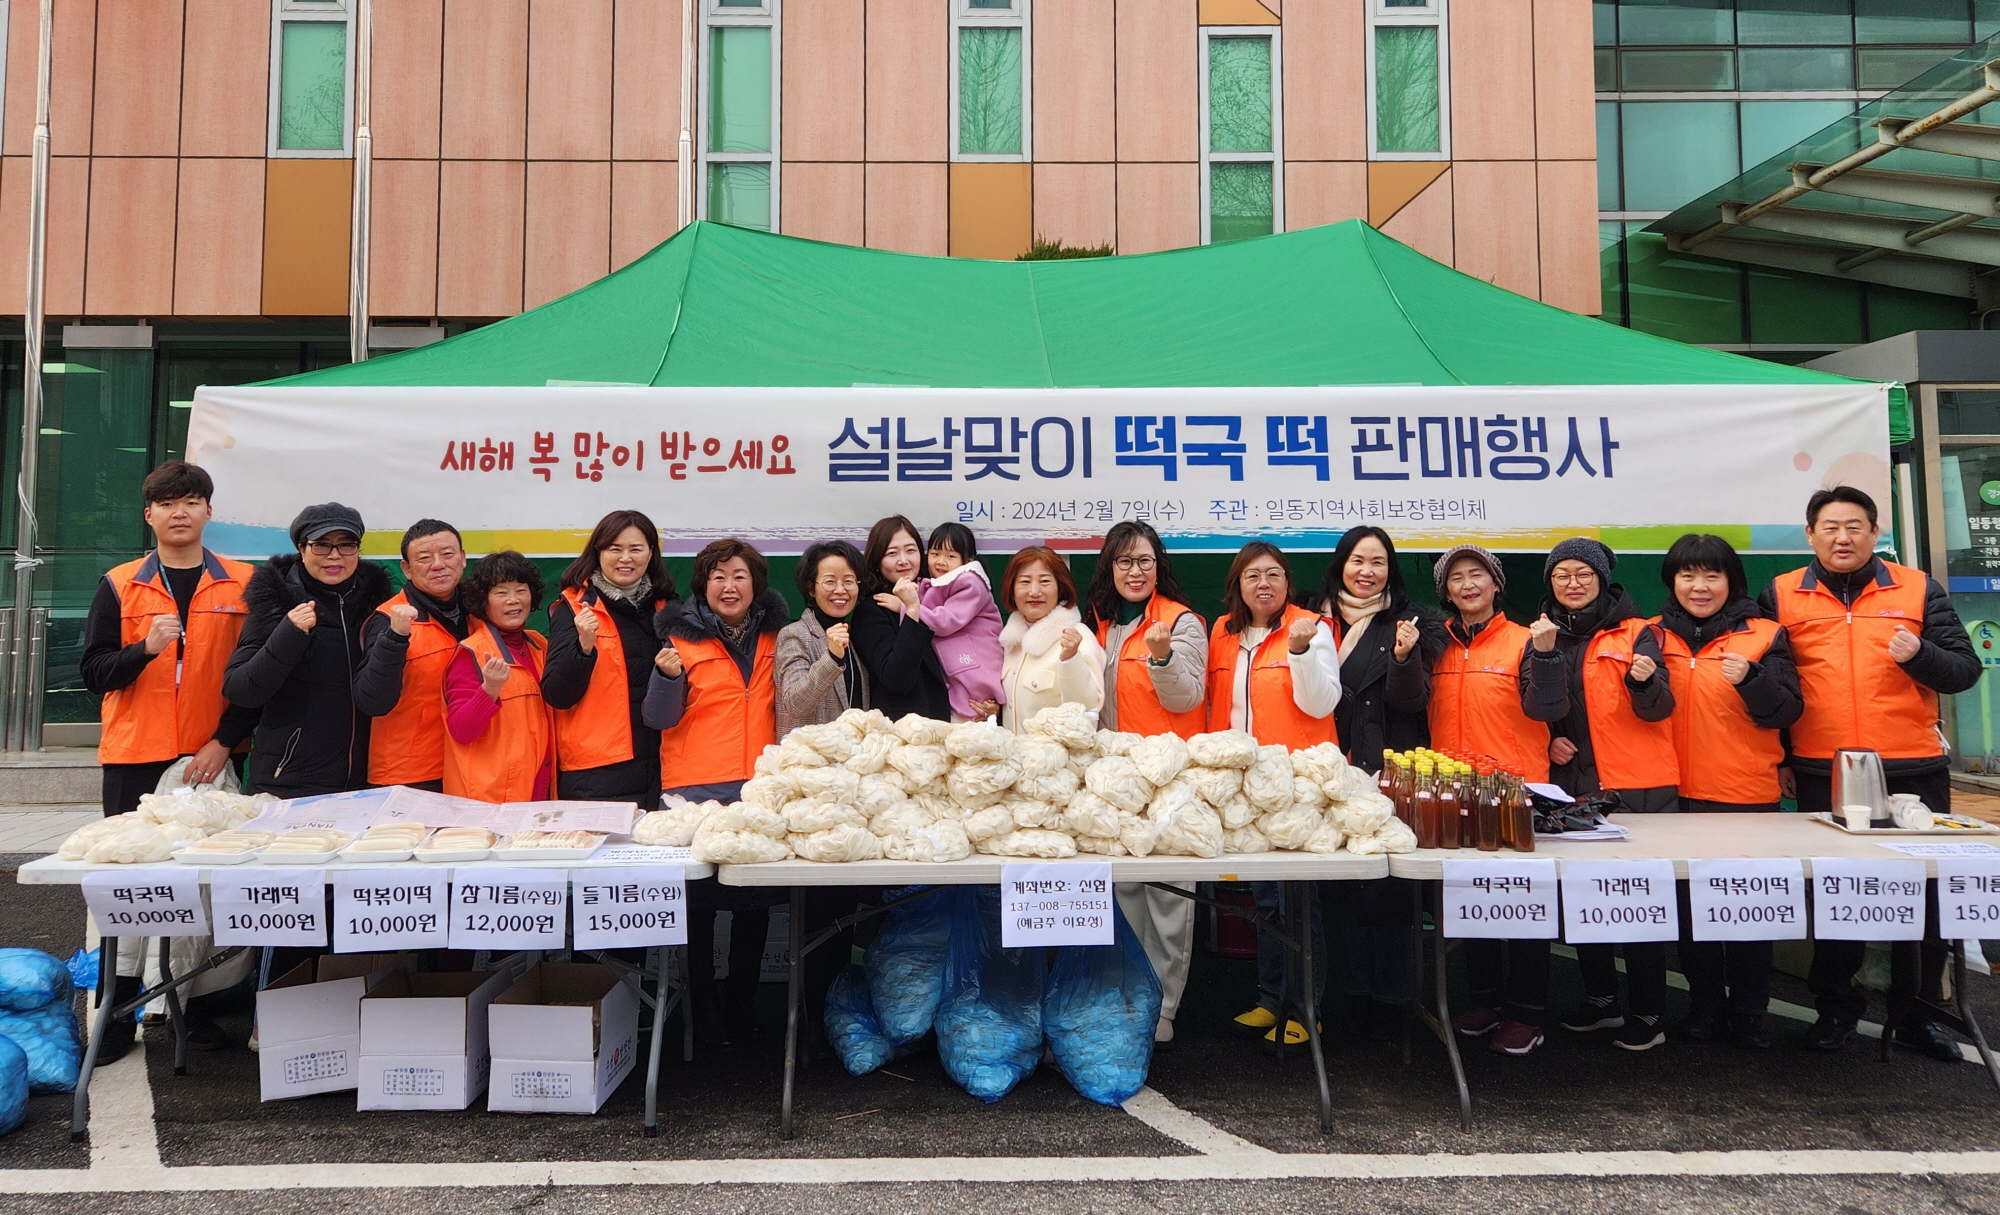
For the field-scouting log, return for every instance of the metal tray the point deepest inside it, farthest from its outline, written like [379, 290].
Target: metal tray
[1973, 827]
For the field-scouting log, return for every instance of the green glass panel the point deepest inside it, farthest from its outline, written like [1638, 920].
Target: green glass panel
[740, 194]
[1676, 22]
[1005, 6]
[1985, 18]
[1788, 307]
[312, 86]
[1964, 412]
[739, 88]
[1604, 22]
[989, 90]
[1676, 150]
[1884, 68]
[1912, 21]
[1689, 299]
[1797, 67]
[1771, 127]
[1892, 310]
[1611, 271]
[1406, 89]
[97, 430]
[1646, 71]
[1239, 94]
[1239, 201]
[1607, 157]
[1607, 70]
[1791, 22]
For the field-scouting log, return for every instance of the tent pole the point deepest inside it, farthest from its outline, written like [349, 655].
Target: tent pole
[21, 672]
[364, 156]
[686, 153]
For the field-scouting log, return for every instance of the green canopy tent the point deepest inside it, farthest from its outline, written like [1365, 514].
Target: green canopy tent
[1335, 305]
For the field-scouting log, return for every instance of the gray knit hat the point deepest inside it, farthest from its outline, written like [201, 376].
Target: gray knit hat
[1593, 553]
[1442, 569]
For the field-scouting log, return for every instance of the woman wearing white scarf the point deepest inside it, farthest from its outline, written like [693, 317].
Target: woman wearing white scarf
[1050, 658]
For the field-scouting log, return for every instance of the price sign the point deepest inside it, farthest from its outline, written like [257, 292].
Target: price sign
[1746, 900]
[269, 907]
[1867, 900]
[1605, 902]
[1500, 899]
[1968, 897]
[389, 909]
[634, 905]
[147, 903]
[1067, 903]
[509, 908]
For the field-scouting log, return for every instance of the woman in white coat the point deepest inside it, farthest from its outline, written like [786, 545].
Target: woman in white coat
[1050, 658]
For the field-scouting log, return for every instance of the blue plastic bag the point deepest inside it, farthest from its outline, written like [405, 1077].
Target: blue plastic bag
[30, 978]
[13, 1086]
[851, 1027]
[989, 1024]
[48, 1037]
[905, 965]
[1099, 1010]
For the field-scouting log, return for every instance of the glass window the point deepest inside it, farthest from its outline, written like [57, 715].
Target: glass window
[1239, 201]
[989, 90]
[1239, 95]
[1883, 68]
[1689, 149]
[1985, 18]
[1788, 307]
[1892, 310]
[739, 88]
[1005, 6]
[1607, 157]
[1969, 412]
[740, 194]
[1604, 22]
[1798, 67]
[312, 86]
[1912, 21]
[1611, 271]
[1770, 127]
[1676, 22]
[1672, 70]
[1817, 22]
[1689, 299]
[1406, 89]
[1607, 70]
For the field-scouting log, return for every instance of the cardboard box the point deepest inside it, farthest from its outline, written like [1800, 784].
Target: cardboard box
[309, 1023]
[423, 1040]
[563, 1037]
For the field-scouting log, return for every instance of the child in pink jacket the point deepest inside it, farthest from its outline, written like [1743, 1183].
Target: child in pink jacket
[964, 622]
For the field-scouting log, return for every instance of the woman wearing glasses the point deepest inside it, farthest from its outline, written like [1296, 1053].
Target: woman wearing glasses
[818, 674]
[1155, 652]
[1592, 671]
[296, 657]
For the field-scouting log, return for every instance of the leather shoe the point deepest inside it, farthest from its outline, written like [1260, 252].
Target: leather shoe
[1928, 1037]
[1828, 1034]
[1704, 1025]
[1748, 1033]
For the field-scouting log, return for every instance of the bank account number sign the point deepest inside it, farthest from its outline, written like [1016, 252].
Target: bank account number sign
[1065, 903]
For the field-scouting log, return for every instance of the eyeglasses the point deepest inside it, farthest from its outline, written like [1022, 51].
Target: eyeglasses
[837, 584]
[1583, 579]
[1259, 577]
[1126, 565]
[346, 548]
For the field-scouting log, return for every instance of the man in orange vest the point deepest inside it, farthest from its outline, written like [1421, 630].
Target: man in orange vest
[1875, 644]
[406, 646]
[157, 638]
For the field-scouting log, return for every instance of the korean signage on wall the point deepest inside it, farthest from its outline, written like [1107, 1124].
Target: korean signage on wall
[1513, 468]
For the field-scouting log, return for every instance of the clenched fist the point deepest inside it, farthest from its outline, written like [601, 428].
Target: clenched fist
[303, 617]
[1159, 641]
[1643, 668]
[1406, 638]
[1542, 633]
[401, 617]
[1903, 644]
[493, 676]
[1072, 637]
[668, 662]
[165, 628]
[586, 632]
[836, 641]
[1735, 668]
[1300, 635]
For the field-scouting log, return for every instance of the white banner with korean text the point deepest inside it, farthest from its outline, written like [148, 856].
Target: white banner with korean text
[1514, 468]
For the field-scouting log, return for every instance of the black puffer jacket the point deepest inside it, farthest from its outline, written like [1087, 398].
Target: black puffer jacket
[1552, 688]
[567, 678]
[1384, 704]
[310, 736]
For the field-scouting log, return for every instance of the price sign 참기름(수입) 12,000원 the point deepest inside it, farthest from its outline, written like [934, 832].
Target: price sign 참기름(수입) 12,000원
[1762, 899]
[1504, 899]
[1061, 903]
[390, 909]
[1867, 900]
[269, 906]
[509, 908]
[629, 906]
[147, 903]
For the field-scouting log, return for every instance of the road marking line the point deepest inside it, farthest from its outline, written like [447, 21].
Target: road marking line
[1153, 1109]
[1236, 1167]
[122, 1133]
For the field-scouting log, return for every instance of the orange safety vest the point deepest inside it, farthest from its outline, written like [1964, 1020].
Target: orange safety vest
[597, 730]
[1476, 701]
[406, 744]
[726, 724]
[1724, 756]
[172, 709]
[1139, 708]
[502, 763]
[1274, 715]
[1630, 753]
[1855, 694]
